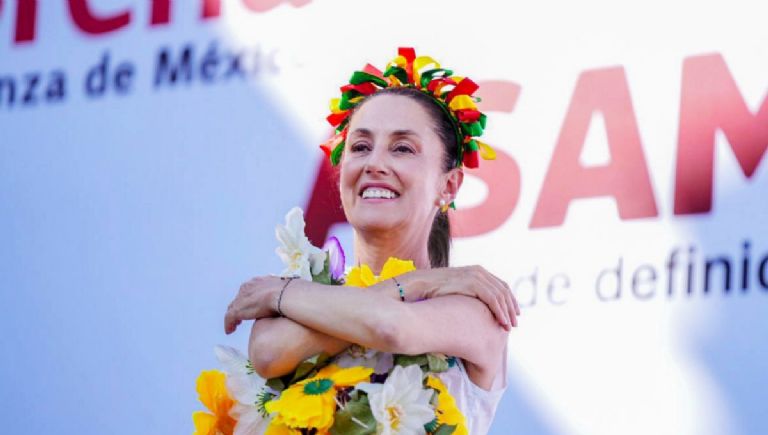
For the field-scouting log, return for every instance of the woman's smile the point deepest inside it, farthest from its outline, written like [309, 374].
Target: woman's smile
[376, 193]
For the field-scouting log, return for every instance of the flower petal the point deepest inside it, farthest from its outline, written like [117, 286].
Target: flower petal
[242, 383]
[294, 222]
[351, 376]
[250, 421]
[336, 257]
[316, 258]
[361, 277]
[205, 423]
[395, 267]
[213, 393]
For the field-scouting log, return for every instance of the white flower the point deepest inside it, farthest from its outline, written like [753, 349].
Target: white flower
[401, 404]
[245, 387]
[300, 257]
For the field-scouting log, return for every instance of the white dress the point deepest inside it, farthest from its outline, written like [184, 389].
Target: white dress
[477, 405]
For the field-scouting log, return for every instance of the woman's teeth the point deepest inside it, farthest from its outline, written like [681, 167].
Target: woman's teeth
[379, 193]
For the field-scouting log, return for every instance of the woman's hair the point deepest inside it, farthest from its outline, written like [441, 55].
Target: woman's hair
[439, 244]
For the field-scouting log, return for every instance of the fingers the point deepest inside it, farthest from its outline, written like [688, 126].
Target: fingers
[504, 298]
[234, 316]
[231, 319]
[514, 300]
[503, 294]
[249, 304]
[493, 297]
[498, 306]
[514, 308]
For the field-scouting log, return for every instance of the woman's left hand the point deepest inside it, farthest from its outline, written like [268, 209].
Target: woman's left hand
[256, 299]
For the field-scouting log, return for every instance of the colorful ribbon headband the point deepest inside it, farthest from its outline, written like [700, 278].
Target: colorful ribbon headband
[452, 93]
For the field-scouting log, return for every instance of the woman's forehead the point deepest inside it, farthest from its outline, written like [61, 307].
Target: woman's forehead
[387, 114]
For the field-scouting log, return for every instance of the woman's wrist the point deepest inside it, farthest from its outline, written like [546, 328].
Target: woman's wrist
[278, 294]
[415, 286]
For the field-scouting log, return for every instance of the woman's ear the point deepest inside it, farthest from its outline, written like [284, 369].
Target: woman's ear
[453, 181]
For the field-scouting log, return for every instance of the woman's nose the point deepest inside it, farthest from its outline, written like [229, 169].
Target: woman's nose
[377, 162]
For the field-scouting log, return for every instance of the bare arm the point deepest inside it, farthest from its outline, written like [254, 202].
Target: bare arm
[454, 325]
[277, 345]
[381, 321]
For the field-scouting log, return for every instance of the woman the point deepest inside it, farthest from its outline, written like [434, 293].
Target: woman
[399, 167]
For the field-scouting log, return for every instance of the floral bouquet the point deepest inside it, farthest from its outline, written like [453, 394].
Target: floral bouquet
[321, 396]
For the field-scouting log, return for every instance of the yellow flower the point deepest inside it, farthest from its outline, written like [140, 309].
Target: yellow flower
[363, 276]
[360, 277]
[212, 391]
[276, 428]
[446, 410]
[311, 403]
[395, 267]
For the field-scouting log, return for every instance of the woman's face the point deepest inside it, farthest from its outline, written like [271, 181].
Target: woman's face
[391, 170]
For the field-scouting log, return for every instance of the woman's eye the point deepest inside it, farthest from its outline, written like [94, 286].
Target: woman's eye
[358, 147]
[401, 148]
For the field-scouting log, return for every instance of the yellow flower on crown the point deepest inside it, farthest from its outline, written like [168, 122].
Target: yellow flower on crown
[446, 410]
[212, 391]
[311, 403]
[362, 276]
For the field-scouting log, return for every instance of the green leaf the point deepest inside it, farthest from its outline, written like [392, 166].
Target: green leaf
[436, 364]
[407, 360]
[445, 429]
[276, 384]
[308, 366]
[429, 362]
[348, 420]
[324, 277]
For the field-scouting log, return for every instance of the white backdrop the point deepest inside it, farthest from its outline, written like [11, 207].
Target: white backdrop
[138, 191]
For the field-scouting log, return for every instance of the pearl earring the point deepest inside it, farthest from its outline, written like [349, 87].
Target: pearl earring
[443, 206]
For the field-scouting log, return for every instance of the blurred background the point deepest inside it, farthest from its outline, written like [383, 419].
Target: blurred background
[148, 149]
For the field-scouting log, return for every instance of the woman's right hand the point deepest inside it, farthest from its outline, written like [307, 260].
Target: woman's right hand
[472, 281]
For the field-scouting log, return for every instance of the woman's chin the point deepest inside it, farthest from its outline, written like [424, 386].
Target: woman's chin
[377, 221]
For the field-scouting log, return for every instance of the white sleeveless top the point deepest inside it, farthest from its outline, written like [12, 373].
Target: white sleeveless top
[477, 405]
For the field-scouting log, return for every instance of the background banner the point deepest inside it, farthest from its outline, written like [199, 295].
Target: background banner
[149, 148]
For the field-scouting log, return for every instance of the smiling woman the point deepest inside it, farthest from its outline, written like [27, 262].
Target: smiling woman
[401, 151]
[417, 152]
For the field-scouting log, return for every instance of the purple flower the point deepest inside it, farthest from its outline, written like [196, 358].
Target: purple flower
[336, 258]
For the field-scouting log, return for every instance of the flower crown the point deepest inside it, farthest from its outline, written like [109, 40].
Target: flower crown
[452, 93]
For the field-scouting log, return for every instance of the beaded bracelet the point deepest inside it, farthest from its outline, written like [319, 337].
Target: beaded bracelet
[400, 289]
[280, 298]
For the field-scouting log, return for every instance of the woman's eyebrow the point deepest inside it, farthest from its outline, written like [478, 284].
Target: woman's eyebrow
[361, 132]
[404, 133]
[396, 133]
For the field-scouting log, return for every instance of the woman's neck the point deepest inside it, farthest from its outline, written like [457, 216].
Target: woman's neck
[374, 249]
